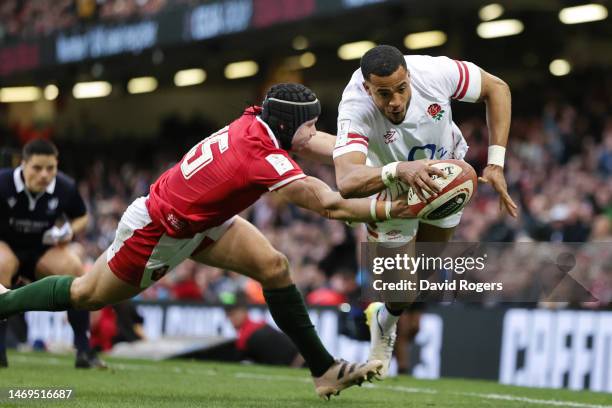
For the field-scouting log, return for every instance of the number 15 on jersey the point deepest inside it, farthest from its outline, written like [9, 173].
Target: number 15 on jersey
[201, 154]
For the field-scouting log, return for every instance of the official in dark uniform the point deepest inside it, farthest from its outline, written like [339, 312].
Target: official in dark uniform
[40, 211]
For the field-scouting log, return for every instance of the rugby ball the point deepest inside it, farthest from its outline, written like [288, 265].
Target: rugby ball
[457, 189]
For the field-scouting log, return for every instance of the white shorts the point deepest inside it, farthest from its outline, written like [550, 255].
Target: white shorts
[398, 232]
[142, 252]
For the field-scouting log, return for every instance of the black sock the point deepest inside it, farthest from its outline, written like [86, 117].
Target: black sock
[289, 312]
[3, 326]
[394, 312]
[79, 320]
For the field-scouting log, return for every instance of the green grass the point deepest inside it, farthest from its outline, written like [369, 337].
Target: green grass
[178, 383]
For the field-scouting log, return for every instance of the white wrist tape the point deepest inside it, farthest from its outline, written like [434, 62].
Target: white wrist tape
[497, 155]
[389, 173]
[373, 209]
[388, 209]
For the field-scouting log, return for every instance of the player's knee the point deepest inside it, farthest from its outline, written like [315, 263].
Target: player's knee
[275, 272]
[7, 271]
[75, 269]
[71, 265]
[9, 264]
[59, 261]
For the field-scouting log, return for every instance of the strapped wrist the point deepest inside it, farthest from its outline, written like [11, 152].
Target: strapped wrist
[496, 155]
[389, 173]
[373, 202]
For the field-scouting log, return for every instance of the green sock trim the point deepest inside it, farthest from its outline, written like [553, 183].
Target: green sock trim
[50, 294]
[290, 315]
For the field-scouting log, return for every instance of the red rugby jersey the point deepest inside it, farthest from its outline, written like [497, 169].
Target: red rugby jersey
[221, 176]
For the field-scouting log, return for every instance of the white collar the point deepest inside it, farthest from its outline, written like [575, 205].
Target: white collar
[20, 185]
[270, 133]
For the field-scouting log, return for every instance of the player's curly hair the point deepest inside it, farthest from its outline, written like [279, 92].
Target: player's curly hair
[382, 60]
[286, 107]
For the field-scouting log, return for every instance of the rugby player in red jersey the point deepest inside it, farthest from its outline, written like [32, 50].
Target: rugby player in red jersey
[191, 212]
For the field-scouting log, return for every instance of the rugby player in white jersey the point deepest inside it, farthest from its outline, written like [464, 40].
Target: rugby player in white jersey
[394, 118]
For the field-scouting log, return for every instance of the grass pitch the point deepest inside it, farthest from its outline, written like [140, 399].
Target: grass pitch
[178, 383]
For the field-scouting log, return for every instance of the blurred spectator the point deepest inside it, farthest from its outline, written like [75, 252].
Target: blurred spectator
[27, 19]
[604, 163]
[115, 324]
[259, 342]
[185, 286]
[341, 285]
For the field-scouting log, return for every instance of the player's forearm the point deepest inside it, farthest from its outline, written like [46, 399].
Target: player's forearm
[312, 194]
[79, 224]
[359, 181]
[335, 207]
[498, 106]
[319, 149]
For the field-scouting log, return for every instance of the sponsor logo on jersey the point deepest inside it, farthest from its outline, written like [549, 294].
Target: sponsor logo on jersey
[343, 130]
[280, 163]
[53, 203]
[442, 152]
[397, 237]
[390, 136]
[176, 223]
[159, 273]
[11, 201]
[435, 111]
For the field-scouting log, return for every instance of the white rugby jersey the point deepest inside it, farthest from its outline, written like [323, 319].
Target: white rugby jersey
[427, 132]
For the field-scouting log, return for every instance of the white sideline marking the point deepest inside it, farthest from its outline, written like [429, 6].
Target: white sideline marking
[116, 366]
[401, 388]
[268, 377]
[557, 403]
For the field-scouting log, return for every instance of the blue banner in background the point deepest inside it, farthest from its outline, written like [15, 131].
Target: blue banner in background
[176, 25]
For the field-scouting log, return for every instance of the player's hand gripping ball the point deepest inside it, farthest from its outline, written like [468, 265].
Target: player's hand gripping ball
[457, 189]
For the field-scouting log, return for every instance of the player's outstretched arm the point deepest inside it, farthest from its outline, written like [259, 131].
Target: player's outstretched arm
[356, 179]
[497, 97]
[313, 194]
[319, 148]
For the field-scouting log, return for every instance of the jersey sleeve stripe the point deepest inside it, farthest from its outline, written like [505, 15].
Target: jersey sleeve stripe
[349, 148]
[357, 136]
[357, 141]
[466, 82]
[286, 181]
[460, 79]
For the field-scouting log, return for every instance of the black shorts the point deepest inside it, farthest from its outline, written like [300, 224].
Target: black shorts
[28, 258]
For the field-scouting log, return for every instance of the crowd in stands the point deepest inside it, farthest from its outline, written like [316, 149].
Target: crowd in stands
[28, 19]
[558, 168]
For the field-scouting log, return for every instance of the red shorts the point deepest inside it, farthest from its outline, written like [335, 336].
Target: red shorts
[142, 253]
